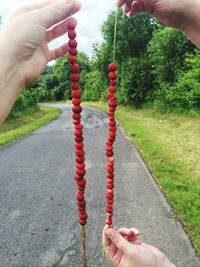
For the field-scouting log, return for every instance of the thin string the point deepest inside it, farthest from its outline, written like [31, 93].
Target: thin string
[84, 256]
[115, 36]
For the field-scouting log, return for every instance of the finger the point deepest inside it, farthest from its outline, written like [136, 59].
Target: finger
[58, 52]
[109, 247]
[58, 30]
[23, 9]
[129, 232]
[119, 241]
[57, 11]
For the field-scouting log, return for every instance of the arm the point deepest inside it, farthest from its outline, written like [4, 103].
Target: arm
[183, 15]
[24, 53]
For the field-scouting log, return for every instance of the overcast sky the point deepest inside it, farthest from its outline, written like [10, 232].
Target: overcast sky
[90, 18]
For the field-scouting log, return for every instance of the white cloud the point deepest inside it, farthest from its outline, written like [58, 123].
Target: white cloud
[90, 18]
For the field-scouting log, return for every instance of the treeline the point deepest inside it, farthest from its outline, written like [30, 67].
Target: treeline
[157, 66]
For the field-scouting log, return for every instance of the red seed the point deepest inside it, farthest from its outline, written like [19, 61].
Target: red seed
[72, 43]
[76, 116]
[75, 86]
[112, 123]
[74, 77]
[80, 159]
[76, 101]
[112, 75]
[72, 59]
[113, 129]
[109, 148]
[109, 95]
[112, 135]
[109, 222]
[71, 34]
[76, 93]
[112, 67]
[71, 26]
[111, 114]
[74, 68]
[73, 51]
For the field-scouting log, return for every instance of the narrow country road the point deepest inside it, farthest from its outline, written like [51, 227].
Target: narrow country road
[38, 218]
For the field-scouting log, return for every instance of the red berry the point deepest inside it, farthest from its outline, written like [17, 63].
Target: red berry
[110, 186]
[109, 154]
[112, 109]
[112, 89]
[109, 222]
[83, 222]
[112, 75]
[73, 51]
[82, 203]
[113, 129]
[75, 122]
[74, 77]
[109, 210]
[76, 101]
[109, 195]
[112, 123]
[81, 209]
[76, 93]
[110, 170]
[109, 148]
[79, 127]
[71, 26]
[112, 82]
[77, 109]
[80, 197]
[83, 216]
[79, 145]
[113, 104]
[74, 68]
[80, 166]
[109, 95]
[80, 153]
[72, 59]
[81, 172]
[80, 159]
[112, 67]
[82, 183]
[78, 133]
[72, 43]
[79, 139]
[71, 34]
[110, 176]
[110, 201]
[78, 178]
[75, 85]
[111, 114]
[76, 116]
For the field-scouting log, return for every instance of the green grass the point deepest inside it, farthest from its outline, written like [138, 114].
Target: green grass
[170, 145]
[14, 128]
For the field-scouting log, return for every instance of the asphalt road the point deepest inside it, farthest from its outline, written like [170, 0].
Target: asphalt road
[38, 217]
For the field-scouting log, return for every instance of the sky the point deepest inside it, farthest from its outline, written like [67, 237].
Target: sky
[90, 18]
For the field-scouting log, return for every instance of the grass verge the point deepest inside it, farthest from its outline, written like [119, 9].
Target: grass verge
[17, 127]
[170, 145]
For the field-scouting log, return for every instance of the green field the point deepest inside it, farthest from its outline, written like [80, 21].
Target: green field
[17, 127]
[170, 145]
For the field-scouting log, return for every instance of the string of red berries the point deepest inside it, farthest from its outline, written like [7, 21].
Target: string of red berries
[78, 132]
[112, 103]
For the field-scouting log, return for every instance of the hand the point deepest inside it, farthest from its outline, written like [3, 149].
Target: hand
[183, 14]
[125, 250]
[25, 38]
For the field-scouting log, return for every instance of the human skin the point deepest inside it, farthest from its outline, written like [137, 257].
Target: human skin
[124, 249]
[183, 14]
[24, 50]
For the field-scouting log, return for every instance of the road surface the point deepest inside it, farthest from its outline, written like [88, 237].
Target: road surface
[38, 217]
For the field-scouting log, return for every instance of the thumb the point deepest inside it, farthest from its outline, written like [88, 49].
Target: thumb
[119, 241]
